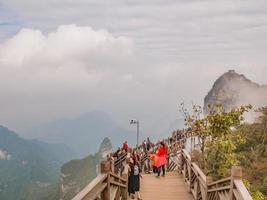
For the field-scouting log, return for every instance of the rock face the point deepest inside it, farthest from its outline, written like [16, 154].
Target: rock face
[4, 155]
[233, 89]
[76, 174]
[105, 147]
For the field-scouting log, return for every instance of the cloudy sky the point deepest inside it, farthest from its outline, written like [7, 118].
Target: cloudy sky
[131, 58]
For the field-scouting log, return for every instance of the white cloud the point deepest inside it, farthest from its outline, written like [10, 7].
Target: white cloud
[68, 44]
[172, 51]
[64, 71]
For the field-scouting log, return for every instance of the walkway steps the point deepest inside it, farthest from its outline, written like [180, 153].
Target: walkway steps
[170, 187]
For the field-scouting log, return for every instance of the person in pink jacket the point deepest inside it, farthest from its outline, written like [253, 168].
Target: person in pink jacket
[162, 158]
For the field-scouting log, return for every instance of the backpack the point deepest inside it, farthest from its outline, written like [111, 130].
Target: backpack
[136, 170]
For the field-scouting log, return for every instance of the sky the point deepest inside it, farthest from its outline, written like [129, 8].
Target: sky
[131, 58]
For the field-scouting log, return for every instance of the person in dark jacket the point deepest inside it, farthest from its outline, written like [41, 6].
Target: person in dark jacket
[134, 179]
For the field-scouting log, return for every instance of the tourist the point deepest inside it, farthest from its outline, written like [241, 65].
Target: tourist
[148, 144]
[162, 158]
[134, 179]
[153, 159]
[144, 146]
[116, 154]
[125, 146]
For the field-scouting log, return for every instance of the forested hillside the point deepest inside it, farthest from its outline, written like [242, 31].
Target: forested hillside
[28, 168]
[252, 155]
[76, 174]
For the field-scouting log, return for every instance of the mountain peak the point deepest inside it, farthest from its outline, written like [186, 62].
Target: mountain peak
[105, 147]
[5, 132]
[234, 78]
[233, 89]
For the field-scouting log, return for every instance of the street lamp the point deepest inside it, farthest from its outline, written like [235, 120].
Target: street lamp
[134, 121]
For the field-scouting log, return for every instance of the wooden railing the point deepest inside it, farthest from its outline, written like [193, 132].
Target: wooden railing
[112, 184]
[202, 187]
[118, 163]
[107, 185]
[104, 186]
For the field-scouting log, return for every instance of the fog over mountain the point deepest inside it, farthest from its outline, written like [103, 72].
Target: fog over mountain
[59, 59]
[74, 73]
[84, 133]
[233, 89]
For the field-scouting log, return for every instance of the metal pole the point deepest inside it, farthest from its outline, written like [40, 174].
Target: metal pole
[137, 132]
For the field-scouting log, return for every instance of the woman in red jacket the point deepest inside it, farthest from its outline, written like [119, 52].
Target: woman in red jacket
[162, 158]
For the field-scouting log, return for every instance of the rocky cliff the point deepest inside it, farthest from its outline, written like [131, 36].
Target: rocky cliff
[76, 174]
[233, 89]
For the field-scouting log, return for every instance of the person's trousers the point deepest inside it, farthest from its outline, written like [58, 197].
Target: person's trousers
[163, 170]
[155, 169]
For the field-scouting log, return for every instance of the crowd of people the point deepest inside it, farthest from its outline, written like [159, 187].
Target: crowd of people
[148, 158]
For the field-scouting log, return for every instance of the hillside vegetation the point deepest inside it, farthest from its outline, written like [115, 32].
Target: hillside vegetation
[225, 140]
[78, 173]
[28, 168]
[252, 154]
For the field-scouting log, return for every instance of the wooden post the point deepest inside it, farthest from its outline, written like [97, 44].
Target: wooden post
[112, 166]
[189, 169]
[181, 162]
[105, 169]
[236, 173]
[208, 180]
[125, 192]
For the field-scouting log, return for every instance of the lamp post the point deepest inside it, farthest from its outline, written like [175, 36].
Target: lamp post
[134, 121]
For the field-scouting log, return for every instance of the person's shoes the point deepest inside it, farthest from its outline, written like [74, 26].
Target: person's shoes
[163, 175]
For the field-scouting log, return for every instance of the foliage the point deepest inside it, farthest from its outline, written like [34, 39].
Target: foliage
[32, 169]
[228, 141]
[256, 194]
[218, 140]
[252, 155]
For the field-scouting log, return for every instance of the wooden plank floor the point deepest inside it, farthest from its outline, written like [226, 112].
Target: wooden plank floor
[170, 187]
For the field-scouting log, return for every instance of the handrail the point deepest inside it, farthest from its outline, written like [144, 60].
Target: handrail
[90, 187]
[199, 172]
[101, 188]
[111, 185]
[242, 190]
[120, 159]
[219, 181]
[230, 188]
[108, 184]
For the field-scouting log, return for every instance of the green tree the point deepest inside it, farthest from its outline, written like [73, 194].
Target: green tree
[252, 155]
[255, 194]
[218, 136]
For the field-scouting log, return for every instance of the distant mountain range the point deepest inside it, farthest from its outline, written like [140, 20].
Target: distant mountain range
[83, 134]
[28, 168]
[233, 89]
[31, 169]
[76, 174]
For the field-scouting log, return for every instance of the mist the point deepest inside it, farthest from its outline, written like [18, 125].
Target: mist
[130, 60]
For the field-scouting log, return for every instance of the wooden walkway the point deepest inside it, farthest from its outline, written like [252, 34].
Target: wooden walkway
[170, 187]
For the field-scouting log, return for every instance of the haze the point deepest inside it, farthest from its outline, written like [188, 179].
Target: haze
[131, 59]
